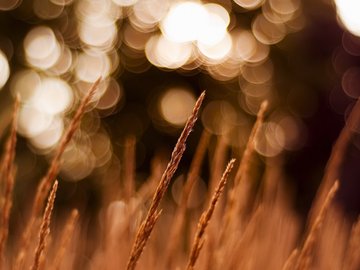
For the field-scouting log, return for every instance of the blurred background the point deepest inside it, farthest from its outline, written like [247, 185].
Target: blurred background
[156, 57]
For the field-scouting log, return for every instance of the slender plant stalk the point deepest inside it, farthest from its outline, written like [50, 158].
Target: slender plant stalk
[352, 256]
[336, 159]
[291, 261]
[232, 206]
[45, 227]
[305, 255]
[9, 182]
[147, 226]
[66, 237]
[205, 218]
[236, 250]
[237, 238]
[53, 170]
[218, 163]
[249, 149]
[144, 194]
[195, 168]
[179, 217]
[129, 164]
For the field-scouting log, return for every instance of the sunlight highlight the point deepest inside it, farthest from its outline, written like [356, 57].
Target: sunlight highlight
[49, 137]
[52, 96]
[90, 66]
[185, 22]
[348, 12]
[4, 69]
[163, 52]
[176, 106]
[32, 122]
[42, 50]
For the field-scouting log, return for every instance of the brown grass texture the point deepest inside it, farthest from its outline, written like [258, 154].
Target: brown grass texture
[253, 225]
[46, 182]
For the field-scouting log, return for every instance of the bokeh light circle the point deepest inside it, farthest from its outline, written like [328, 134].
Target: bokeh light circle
[42, 49]
[4, 69]
[52, 96]
[185, 21]
[348, 12]
[176, 105]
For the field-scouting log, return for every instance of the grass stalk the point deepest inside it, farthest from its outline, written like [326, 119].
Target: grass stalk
[205, 218]
[336, 159]
[45, 227]
[147, 225]
[47, 180]
[305, 254]
[9, 176]
[232, 206]
[352, 259]
[66, 237]
[179, 217]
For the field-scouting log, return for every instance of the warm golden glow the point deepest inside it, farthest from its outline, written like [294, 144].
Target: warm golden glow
[176, 105]
[148, 13]
[256, 90]
[285, 7]
[78, 161]
[351, 82]
[44, 102]
[261, 52]
[62, 2]
[100, 38]
[116, 215]
[219, 117]
[91, 65]
[4, 69]
[272, 15]
[258, 74]
[64, 62]
[42, 50]
[196, 196]
[9, 4]
[215, 29]
[249, 4]
[111, 96]
[218, 51]
[185, 21]
[244, 46]
[91, 10]
[348, 12]
[162, 52]
[295, 130]
[49, 137]
[225, 71]
[135, 39]
[32, 121]
[47, 10]
[24, 83]
[125, 3]
[52, 96]
[267, 32]
[101, 33]
[271, 140]
[101, 147]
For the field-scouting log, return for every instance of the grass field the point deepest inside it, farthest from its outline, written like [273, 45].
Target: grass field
[239, 225]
